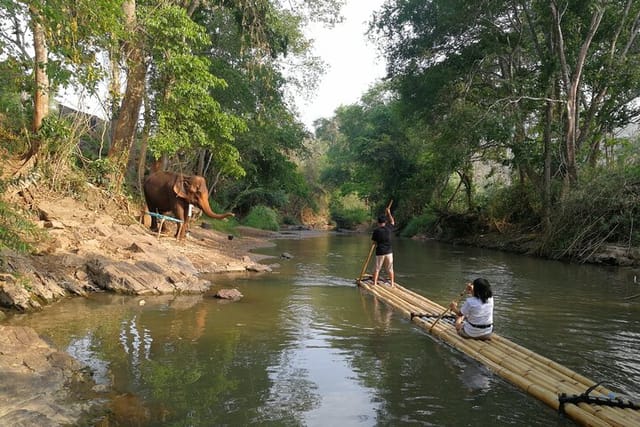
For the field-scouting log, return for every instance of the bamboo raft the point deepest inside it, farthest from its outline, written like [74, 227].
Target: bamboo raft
[542, 378]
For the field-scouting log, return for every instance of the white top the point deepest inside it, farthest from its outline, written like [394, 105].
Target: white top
[479, 314]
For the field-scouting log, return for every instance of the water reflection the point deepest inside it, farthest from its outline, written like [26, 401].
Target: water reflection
[305, 347]
[136, 342]
[83, 349]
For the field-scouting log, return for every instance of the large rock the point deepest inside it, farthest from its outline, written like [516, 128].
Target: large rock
[145, 277]
[35, 380]
[229, 294]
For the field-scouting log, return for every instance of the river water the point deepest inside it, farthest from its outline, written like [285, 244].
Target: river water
[305, 347]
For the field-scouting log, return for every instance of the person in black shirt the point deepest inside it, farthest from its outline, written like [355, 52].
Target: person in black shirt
[384, 253]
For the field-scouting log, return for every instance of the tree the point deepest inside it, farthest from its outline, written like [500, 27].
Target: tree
[182, 67]
[490, 78]
[66, 37]
[126, 121]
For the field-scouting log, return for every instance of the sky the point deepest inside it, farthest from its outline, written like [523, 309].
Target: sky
[353, 62]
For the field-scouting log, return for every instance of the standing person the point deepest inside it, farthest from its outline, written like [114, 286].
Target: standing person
[384, 253]
[475, 317]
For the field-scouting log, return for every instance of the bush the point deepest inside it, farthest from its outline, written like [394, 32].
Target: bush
[514, 204]
[227, 225]
[422, 224]
[348, 211]
[603, 208]
[16, 232]
[262, 217]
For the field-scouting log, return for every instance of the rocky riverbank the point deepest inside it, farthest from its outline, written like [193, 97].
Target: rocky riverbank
[88, 246]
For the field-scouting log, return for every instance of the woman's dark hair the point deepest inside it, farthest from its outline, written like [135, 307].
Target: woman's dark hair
[482, 289]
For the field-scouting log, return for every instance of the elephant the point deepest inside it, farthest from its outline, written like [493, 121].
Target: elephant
[173, 192]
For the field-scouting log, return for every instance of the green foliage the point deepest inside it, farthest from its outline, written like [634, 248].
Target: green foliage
[421, 224]
[604, 208]
[482, 84]
[56, 132]
[348, 212]
[16, 232]
[262, 217]
[517, 204]
[244, 201]
[14, 114]
[186, 114]
[228, 225]
[99, 170]
[59, 137]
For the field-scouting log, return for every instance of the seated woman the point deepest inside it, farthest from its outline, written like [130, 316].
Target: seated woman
[475, 317]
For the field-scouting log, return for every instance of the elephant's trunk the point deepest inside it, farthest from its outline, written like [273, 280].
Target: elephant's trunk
[204, 205]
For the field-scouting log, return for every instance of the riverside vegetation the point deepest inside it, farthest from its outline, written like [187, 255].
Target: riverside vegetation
[481, 133]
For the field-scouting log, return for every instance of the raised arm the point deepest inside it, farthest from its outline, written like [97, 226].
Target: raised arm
[392, 221]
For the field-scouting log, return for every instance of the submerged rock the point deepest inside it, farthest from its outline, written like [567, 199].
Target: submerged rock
[36, 379]
[229, 294]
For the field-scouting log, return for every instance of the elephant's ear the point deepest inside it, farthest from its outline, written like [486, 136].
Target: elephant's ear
[178, 186]
[196, 184]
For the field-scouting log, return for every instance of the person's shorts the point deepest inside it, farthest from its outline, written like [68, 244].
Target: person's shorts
[386, 261]
[463, 334]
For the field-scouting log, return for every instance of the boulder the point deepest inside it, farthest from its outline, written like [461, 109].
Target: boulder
[36, 379]
[229, 294]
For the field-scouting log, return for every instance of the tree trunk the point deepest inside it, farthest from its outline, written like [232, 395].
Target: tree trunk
[127, 120]
[41, 80]
[572, 80]
[546, 187]
[115, 94]
[142, 158]
[41, 96]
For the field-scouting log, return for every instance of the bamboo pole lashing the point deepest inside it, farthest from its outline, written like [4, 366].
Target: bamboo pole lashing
[526, 356]
[547, 362]
[537, 378]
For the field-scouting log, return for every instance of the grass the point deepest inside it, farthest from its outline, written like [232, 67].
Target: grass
[17, 232]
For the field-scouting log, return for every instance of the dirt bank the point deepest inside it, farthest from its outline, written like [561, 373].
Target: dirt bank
[89, 245]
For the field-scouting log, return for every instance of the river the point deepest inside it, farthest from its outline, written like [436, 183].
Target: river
[305, 347]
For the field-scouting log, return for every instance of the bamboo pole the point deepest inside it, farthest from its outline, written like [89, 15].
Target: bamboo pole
[364, 266]
[531, 376]
[526, 353]
[536, 390]
[373, 246]
[447, 309]
[535, 374]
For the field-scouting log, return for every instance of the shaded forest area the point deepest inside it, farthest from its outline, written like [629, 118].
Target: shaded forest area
[510, 118]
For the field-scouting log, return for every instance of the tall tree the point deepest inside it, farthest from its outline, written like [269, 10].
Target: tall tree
[126, 121]
[185, 114]
[41, 80]
[499, 70]
[66, 38]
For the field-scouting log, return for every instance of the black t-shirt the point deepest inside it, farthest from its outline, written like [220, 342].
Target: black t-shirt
[382, 237]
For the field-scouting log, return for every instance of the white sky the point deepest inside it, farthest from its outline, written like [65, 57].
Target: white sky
[353, 62]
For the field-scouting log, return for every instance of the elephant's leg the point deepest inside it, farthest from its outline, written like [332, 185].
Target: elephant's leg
[154, 223]
[181, 214]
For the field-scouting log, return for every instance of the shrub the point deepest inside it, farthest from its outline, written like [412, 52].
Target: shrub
[601, 209]
[514, 204]
[16, 232]
[227, 225]
[422, 224]
[262, 217]
[348, 211]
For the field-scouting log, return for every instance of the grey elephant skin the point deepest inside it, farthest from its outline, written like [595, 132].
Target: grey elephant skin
[169, 192]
